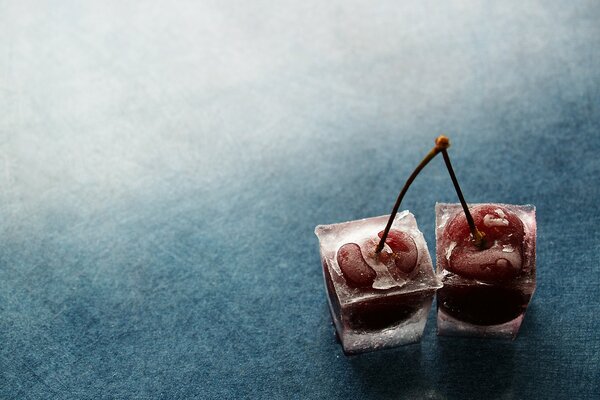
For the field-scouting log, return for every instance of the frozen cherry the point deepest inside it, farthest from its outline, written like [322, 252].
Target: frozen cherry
[404, 250]
[495, 221]
[500, 257]
[384, 312]
[356, 271]
[482, 305]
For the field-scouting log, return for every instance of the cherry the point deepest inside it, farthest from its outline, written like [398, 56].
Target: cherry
[482, 305]
[404, 250]
[357, 272]
[498, 258]
[400, 262]
[384, 312]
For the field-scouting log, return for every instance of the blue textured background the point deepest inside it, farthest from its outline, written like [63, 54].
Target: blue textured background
[163, 166]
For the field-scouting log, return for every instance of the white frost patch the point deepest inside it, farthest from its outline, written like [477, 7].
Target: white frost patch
[508, 248]
[401, 215]
[443, 220]
[383, 278]
[490, 220]
[500, 213]
[385, 281]
[449, 250]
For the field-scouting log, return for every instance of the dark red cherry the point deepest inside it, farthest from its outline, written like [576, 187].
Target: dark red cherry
[384, 312]
[502, 256]
[482, 304]
[356, 271]
[404, 248]
[496, 222]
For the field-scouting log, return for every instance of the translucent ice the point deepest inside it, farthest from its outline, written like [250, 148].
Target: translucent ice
[377, 300]
[486, 290]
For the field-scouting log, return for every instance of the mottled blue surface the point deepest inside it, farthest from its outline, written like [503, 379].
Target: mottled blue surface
[163, 166]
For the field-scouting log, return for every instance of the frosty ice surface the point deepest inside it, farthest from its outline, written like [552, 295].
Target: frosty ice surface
[377, 301]
[485, 291]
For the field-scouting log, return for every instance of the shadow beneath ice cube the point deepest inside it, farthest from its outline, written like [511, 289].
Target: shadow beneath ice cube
[393, 373]
[390, 373]
[486, 368]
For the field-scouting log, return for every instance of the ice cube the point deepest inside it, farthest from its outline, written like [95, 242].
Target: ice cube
[377, 300]
[486, 290]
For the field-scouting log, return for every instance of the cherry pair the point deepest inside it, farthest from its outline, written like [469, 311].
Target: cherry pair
[380, 281]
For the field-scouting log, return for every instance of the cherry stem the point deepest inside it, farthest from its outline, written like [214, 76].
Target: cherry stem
[478, 236]
[441, 144]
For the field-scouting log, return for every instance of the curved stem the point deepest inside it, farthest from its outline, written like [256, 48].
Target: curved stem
[441, 144]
